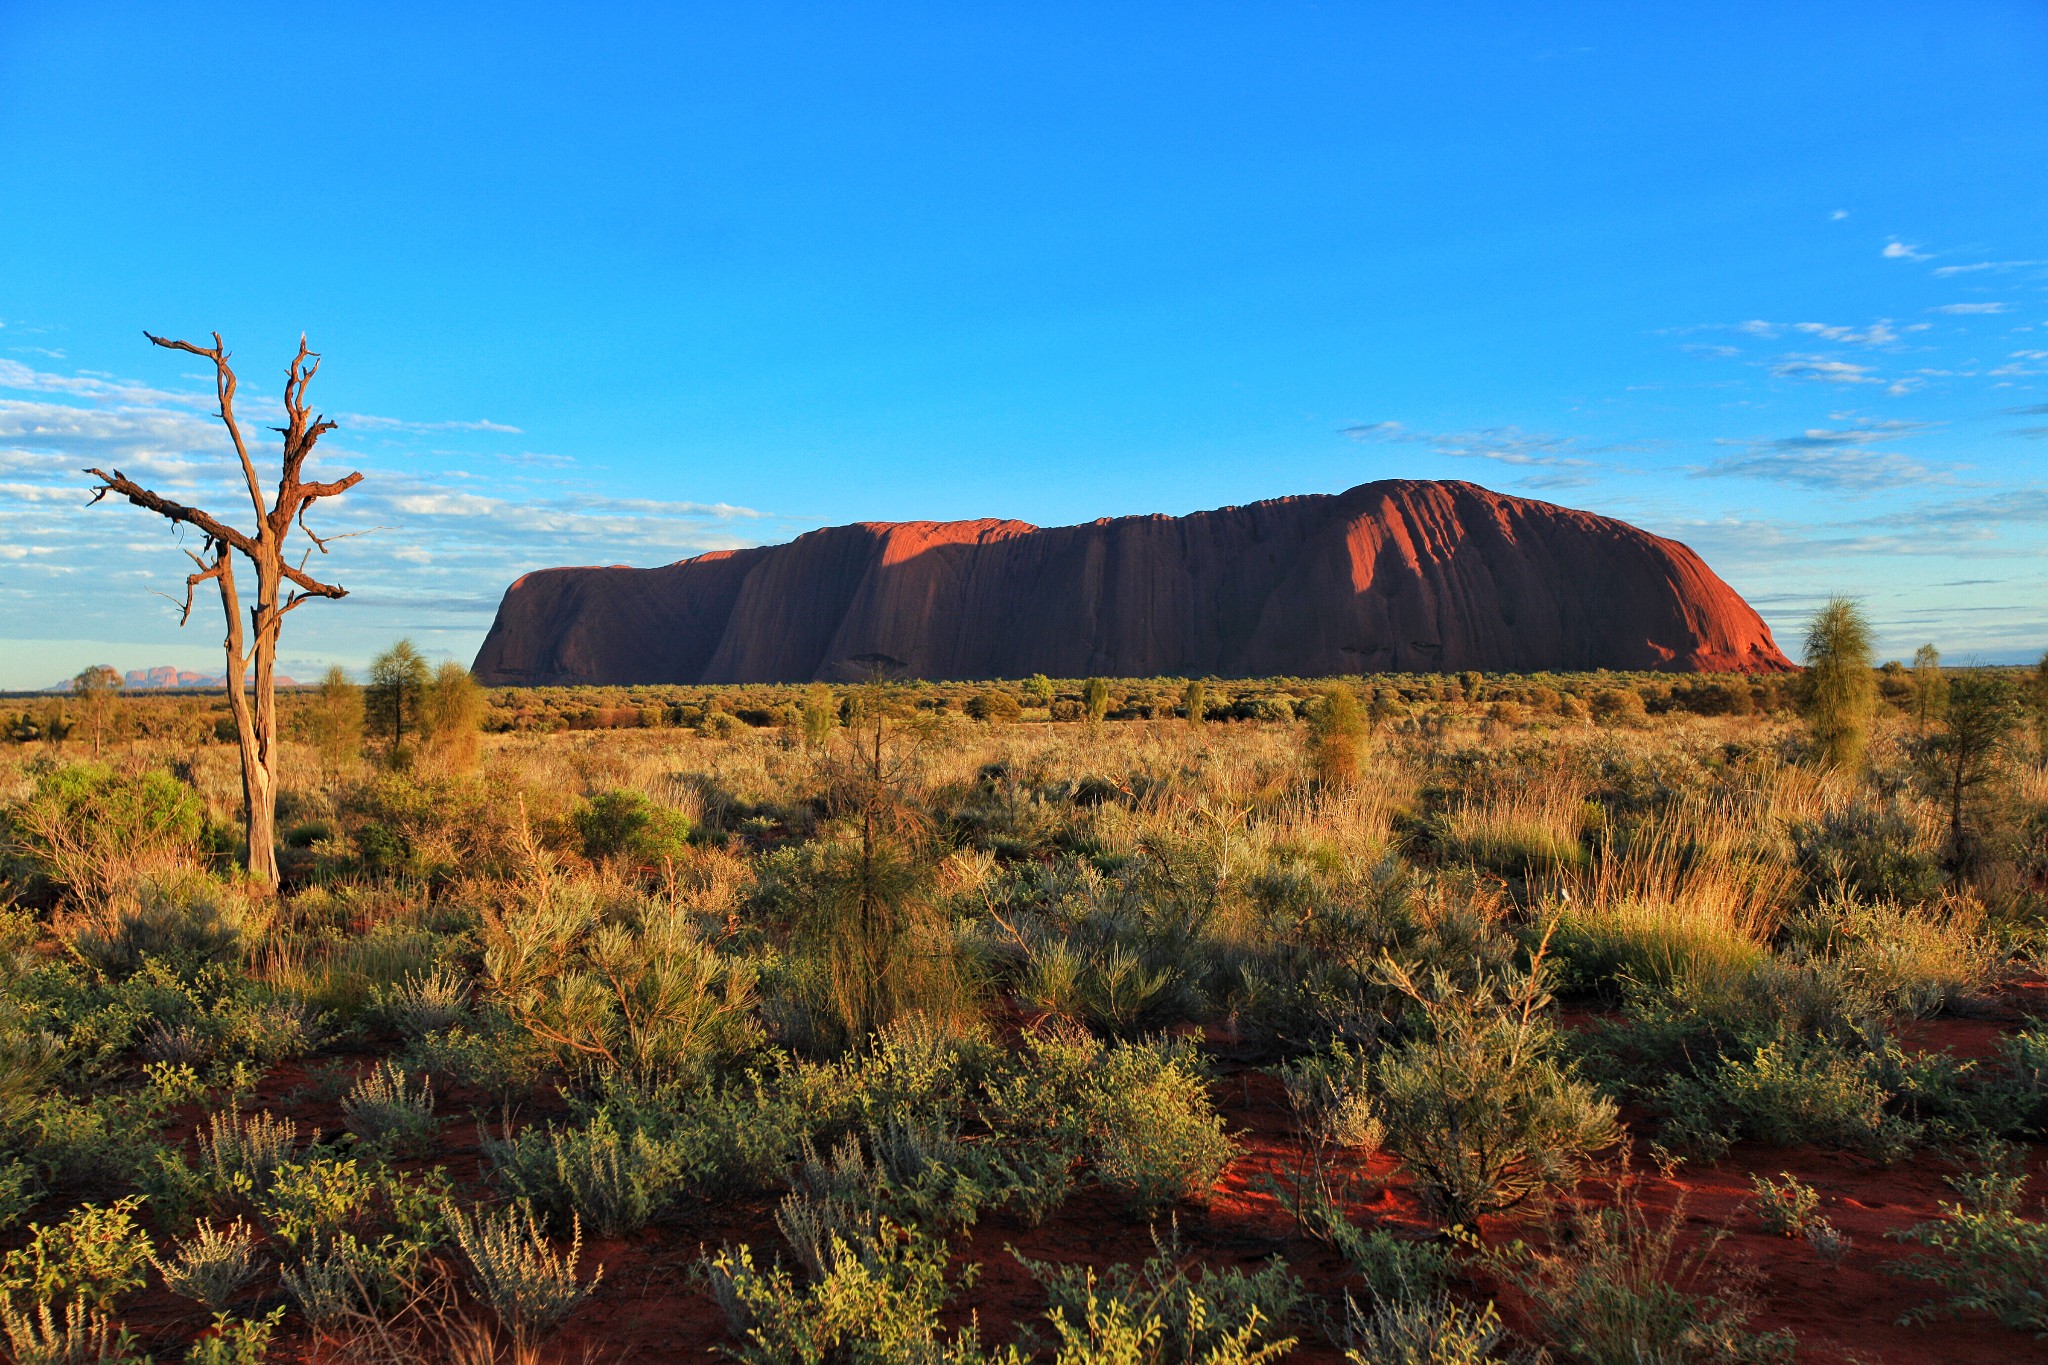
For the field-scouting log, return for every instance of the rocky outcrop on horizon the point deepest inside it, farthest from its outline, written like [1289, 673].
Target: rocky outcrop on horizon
[1395, 576]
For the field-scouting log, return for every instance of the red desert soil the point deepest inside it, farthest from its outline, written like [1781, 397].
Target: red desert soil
[648, 1308]
[1390, 576]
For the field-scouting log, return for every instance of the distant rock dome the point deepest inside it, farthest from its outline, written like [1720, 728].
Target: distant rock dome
[1396, 576]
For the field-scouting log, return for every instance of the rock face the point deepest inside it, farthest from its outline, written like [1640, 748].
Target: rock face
[1395, 576]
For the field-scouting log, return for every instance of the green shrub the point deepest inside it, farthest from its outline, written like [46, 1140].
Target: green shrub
[1891, 960]
[1164, 1312]
[631, 994]
[1172, 1313]
[1155, 1137]
[383, 1108]
[596, 1175]
[93, 833]
[1434, 1329]
[94, 1256]
[529, 1286]
[876, 1301]
[236, 1341]
[214, 1264]
[428, 1002]
[1480, 1104]
[994, 704]
[77, 1336]
[1867, 850]
[1330, 1093]
[626, 824]
[240, 1155]
[1616, 1289]
[1785, 1210]
[340, 1277]
[1988, 1257]
[1787, 1092]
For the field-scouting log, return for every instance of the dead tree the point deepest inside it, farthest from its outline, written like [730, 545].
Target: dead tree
[255, 709]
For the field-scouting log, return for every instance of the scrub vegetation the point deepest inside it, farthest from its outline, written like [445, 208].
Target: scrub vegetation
[1449, 1018]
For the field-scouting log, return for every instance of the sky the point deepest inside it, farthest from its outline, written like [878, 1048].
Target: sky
[622, 284]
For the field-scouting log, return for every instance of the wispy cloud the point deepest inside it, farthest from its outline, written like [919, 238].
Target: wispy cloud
[1824, 370]
[443, 546]
[1968, 308]
[1504, 445]
[1848, 469]
[1945, 271]
[363, 421]
[1830, 458]
[1896, 250]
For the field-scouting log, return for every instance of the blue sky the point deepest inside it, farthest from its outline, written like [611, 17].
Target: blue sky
[621, 286]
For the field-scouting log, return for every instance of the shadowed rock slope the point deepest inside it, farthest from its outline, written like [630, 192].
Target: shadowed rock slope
[1396, 576]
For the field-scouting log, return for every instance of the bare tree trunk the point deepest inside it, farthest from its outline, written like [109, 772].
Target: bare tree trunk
[254, 709]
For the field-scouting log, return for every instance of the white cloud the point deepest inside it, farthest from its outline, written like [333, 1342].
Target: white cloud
[1896, 250]
[1504, 445]
[365, 422]
[1966, 308]
[1844, 469]
[1823, 369]
[1942, 272]
[1838, 215]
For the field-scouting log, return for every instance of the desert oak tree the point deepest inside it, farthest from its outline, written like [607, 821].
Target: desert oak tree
[254, 709]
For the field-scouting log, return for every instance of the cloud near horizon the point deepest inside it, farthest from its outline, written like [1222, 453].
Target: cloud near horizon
[417, 535]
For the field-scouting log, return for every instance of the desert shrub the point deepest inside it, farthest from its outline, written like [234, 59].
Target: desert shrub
[1170, 1312]
[1331, 1095]
[213, 1264]
[877, 1300]
[79, 1335]
[1155, 1137]
[1337, 737]
[240, 1156]
[1867, 850]
[1987, 1256]
[1432, 1330]
[495, 1055]
[236, 1341]
[631, 992]
[1784, 1209]
[612, 1181]
[529, 1285]
[1787, 1091]
[1618, 706]
[427, 1002]
[1393, 1269]
[94, 1256]
[1615, 1288]
[994, 704]
[385, 1109]
[1480, 1102]
[1887, 959]
[1117, 986]
[92, 834]
[340, 1278]
[626, 824]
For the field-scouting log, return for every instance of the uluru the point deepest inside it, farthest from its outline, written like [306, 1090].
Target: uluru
[1394, 576]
